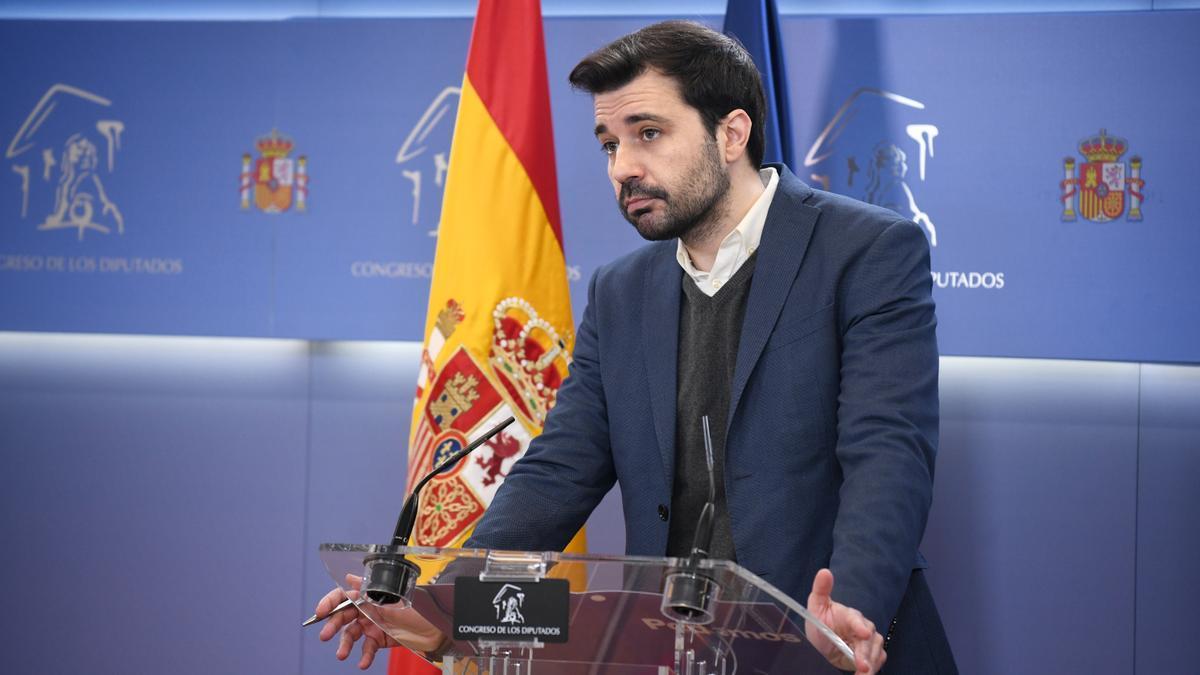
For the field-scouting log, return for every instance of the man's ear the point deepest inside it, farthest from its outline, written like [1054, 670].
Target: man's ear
[737, 134]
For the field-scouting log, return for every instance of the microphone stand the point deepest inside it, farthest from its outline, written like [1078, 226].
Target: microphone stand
[390, 577]
[688, 592]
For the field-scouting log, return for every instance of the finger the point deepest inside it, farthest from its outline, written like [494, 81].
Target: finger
[332, 599]
[852, 625]
[369, 647]
[328, 630]
[349, 636]
[354, 581]
[331, 627]
[846, 622]
[862, 641]
[869, 655]
[856, 630]
[334, 623]
[866, 654]
[822, 588]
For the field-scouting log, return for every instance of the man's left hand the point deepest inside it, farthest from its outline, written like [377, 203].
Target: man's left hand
[855, 629]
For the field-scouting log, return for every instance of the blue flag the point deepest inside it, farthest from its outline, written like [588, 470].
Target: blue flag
[756, 24]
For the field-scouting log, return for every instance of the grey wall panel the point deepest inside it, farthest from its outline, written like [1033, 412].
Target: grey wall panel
[150, 491]
[606, 526]
[1168, 544]
[1032, 531]
[362, 397]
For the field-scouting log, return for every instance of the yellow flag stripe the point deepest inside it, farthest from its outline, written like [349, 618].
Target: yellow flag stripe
[494, 239]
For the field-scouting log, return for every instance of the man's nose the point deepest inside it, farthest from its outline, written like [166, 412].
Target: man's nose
[626, 164]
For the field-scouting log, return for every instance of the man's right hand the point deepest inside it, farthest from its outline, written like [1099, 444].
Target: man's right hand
[411, 629]
[848, 623]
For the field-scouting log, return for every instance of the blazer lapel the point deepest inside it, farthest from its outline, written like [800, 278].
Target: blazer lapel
[660, 339]
[785, 238]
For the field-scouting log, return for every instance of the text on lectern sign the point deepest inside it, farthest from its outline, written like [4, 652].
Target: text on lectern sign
[511, 611]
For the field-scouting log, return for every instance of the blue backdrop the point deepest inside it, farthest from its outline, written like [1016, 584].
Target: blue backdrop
[965, 123]
[189, 476]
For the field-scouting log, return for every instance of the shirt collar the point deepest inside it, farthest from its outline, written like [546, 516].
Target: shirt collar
[738, 245]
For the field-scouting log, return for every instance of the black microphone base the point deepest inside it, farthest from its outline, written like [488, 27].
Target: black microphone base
[688, 596]
[389, 579]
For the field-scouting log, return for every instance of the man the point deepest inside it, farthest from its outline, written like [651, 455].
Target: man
[799, 322]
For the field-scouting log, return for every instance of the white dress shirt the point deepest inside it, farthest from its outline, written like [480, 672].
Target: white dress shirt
[738, 245]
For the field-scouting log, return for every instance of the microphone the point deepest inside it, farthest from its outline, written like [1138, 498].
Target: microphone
[702, 541]
[688, 593]
[389, 578]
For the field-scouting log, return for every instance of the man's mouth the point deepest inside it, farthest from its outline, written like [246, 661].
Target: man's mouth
[637, 203]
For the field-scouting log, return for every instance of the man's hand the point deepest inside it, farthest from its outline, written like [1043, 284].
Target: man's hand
[411, 628]
[849, 624]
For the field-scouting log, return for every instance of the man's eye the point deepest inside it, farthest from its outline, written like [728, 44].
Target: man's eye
[650, 134]
[609, 147]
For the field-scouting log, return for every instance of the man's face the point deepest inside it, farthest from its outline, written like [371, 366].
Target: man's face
[666, 168]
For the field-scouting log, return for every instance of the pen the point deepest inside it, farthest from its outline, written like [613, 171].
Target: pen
[314, 618]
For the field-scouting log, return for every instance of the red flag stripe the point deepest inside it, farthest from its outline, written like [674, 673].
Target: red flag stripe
[507, 67]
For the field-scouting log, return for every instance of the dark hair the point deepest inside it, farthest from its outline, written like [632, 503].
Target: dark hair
[715, 73]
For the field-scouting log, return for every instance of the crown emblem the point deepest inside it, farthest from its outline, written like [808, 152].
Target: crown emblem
[528, 357]
[1102, 148]
[449, 317]
[274, 146]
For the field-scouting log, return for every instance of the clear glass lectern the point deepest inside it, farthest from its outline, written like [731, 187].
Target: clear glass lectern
[617, 613]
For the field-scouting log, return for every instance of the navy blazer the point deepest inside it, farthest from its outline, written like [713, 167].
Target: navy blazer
[833, 419]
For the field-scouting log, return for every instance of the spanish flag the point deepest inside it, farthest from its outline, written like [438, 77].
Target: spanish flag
[498, 334]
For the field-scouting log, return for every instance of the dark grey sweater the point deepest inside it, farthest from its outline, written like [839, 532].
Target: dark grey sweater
[709, 330]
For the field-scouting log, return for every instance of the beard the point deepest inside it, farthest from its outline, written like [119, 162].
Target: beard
[689, 212]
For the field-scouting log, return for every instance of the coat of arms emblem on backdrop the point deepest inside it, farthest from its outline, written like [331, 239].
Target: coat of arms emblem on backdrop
[1098, 190]
[275, 179]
